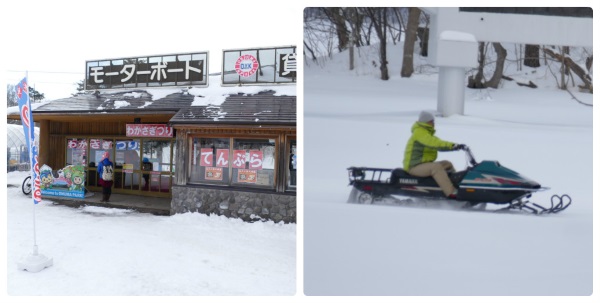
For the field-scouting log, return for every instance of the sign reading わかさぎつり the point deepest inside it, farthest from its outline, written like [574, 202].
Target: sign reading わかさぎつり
[149, 130]
[259, 66]
[148, 71]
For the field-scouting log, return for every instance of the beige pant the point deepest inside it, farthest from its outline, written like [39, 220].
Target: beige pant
[439, 172]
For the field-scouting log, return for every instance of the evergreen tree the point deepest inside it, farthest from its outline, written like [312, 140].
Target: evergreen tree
[35, 96]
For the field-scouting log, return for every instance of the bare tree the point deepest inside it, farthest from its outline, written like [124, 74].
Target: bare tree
[310, 50]
[355, 19]
[399, 18]
[494, 82]
[335, 14]
[568, 65]
[409, 42]
[378, 16]
[423, 34]
[532, 55]
[319, 33]
[478, 81]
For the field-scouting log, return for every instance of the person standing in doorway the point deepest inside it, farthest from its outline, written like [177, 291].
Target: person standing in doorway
[105, 173]
[146, 166]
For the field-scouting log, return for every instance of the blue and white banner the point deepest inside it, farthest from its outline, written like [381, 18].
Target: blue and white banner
[28, 127]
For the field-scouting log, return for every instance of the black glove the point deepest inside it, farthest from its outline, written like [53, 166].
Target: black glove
[458, 147]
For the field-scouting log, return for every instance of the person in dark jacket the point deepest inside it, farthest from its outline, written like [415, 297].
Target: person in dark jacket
[146, 166]
[421, 153]
[105, 176]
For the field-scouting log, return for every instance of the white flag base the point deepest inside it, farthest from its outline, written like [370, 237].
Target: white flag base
[34, 262]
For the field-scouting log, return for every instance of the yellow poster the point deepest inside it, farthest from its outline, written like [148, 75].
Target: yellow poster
[246, 176]
[213, 173]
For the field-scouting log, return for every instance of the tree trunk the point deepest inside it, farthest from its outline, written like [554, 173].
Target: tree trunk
[578, 70]
[335, 14]
[588, 62]
[532, 55]
[379, 18]
[423, 34]
[351, 54]
[355, 24]
[501, 57]
[385, 75]
[477, 81]
[409, 42]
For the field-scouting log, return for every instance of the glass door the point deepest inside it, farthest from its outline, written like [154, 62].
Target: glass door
[127, 164]
[156, 166]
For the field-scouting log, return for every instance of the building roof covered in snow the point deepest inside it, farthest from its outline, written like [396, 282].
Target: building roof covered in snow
[262, 108]
[227, 105]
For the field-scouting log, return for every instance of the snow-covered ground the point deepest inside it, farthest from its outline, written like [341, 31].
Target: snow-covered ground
[114, 252]
[355, 119]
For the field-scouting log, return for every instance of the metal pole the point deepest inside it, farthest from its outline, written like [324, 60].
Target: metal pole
[451, 91]
[31, 142]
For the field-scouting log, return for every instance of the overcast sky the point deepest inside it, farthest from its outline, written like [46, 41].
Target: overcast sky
[57, 37]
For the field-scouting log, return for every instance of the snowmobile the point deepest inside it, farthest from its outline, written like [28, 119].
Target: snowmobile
[481, 183]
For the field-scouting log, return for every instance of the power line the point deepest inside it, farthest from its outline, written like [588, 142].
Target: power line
[65, 83]
[43, 72]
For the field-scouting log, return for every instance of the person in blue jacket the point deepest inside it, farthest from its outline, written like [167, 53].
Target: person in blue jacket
[105, 174]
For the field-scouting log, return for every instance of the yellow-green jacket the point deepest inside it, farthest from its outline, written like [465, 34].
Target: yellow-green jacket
[422, 147]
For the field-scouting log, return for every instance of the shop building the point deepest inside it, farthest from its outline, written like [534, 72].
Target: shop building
[210, 148]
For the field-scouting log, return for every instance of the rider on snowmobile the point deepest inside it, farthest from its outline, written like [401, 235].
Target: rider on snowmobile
[421, 153]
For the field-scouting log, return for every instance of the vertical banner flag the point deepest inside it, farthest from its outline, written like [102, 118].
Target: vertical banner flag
[28, 126]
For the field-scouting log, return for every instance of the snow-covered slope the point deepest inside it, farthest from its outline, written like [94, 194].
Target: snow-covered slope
[354, 119]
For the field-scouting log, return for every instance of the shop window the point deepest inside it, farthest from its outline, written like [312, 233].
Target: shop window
[239, 162]
[156, 165]
[253, 162]
[292, 165]
[77, 152]
[127, 158]
[97, 149]
[210, 160]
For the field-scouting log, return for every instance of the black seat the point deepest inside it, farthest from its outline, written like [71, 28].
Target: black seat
[398, 173]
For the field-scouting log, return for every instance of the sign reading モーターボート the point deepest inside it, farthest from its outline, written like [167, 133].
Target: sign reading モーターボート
[259, 66]
[148, 71]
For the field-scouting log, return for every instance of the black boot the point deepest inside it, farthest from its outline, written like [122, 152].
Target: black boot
[103, 198]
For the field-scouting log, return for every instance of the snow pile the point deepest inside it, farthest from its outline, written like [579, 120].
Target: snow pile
[147, 103]
[133, 94]
[215, 94]
[119, 103]
[115, 252]
[160, 93]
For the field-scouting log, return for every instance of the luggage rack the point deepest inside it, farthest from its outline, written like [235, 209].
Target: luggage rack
[369, 174]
